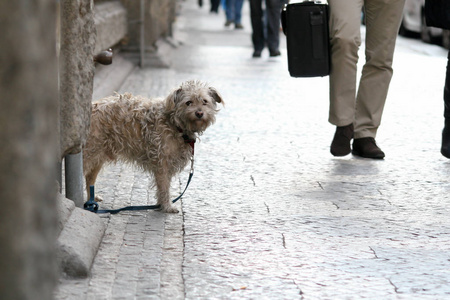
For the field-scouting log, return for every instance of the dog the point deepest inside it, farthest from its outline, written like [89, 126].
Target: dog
[156, 135]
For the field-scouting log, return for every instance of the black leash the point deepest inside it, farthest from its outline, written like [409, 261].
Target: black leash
[92, 206]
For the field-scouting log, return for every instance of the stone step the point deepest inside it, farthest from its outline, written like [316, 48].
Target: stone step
[108, 79]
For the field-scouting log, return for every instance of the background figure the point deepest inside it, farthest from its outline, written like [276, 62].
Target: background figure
[360, 118]
[234, 12]
[437, 14]
[265, 33]
[445, 148]
[215, 6]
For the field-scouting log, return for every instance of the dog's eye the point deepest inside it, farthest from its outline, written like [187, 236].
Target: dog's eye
[205, 102]
[188, 103]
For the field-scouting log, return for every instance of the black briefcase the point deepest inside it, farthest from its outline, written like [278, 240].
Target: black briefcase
[305, 25]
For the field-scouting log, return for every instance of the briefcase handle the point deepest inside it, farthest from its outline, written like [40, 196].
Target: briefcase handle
[283, 11]
[302, 1]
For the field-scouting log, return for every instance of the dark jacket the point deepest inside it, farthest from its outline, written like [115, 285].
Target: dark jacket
[437, 13]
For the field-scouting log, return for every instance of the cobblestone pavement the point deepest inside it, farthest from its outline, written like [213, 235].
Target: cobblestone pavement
[270, 213]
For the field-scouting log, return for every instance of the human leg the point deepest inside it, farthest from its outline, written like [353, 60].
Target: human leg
[382, 24]
[273, 10]
[238, 13]
[256, 16]
[445, 148]
[229, 12]
[215, 6]
[345, 42]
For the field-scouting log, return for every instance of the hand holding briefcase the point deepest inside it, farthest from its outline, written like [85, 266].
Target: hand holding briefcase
[305, 25]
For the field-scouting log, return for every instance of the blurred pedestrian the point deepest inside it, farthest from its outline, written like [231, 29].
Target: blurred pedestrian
[357, 112]
[445, 146]
[437, 14]
[215, 6]
[233, 12]
[265, 26]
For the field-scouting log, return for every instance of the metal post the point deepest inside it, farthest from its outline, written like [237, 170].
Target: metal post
[142, 39]
[73, 165]
[59, 176]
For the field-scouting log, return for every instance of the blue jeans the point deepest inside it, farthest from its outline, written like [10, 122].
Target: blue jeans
[233, 10]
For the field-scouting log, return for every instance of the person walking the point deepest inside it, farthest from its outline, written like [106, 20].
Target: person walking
[233, 11]
[437, 14]
[265, 27]
[445, 146]
[357, 113]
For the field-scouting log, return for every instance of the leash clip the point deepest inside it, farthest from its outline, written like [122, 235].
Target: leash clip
[91, 205]
[192, 164]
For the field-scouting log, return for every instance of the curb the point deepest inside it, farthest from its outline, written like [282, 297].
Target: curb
[81, 233]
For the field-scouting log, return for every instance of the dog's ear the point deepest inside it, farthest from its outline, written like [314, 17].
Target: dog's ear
[215, 95]
[173, 99]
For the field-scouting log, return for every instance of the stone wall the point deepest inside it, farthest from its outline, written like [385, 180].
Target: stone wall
[78, 35]
[29, 149]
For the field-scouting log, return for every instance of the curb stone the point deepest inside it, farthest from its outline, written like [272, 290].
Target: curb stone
[81, 233]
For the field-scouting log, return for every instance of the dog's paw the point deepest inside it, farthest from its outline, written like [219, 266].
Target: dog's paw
[169, 209]
[98, 199]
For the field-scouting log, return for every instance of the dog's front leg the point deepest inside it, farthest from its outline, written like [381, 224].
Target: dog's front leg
[162, 181]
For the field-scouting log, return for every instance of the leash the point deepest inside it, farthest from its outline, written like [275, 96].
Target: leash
[92, 206]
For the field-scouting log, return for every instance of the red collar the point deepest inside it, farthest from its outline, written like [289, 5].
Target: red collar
[188, 140]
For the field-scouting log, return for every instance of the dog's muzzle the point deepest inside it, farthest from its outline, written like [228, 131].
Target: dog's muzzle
[199, 114]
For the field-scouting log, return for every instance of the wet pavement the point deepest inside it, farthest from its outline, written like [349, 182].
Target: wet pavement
[270, 213]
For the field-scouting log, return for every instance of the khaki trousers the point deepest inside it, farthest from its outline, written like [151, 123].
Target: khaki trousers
[362, 107]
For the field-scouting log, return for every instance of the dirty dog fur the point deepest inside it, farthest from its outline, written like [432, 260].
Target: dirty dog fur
[151, 134]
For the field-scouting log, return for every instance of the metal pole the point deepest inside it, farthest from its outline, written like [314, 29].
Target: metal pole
[73, 164]
[59, 176]
[142, 41]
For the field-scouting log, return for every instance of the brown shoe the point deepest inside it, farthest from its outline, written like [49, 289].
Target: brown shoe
[367, 147]
[340, 146]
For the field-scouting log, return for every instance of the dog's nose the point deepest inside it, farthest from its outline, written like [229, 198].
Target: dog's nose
[199, 114]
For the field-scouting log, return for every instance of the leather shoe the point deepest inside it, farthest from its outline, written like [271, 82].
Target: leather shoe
[367, 147]
[340, 146]
[257, 53]
[445, 148]
[274, 53]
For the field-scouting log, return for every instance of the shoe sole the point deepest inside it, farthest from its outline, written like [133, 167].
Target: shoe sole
[380, 156]
[340, 154]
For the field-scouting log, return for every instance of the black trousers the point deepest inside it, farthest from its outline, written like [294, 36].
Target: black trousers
[266, 27]
[215, 5]
[447, 90]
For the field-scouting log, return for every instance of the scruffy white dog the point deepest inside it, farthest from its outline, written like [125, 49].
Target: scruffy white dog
[156, 135]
